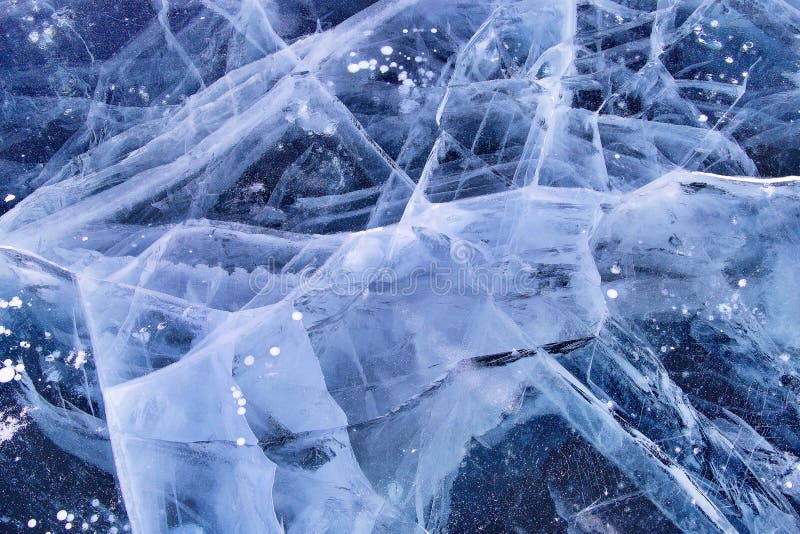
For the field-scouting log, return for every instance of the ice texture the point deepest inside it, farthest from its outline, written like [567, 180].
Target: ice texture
[400, 266]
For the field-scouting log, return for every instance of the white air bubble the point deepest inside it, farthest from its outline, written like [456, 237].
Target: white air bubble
[7, 374]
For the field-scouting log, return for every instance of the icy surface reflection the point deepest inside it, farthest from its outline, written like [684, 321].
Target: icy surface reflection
[399, 266]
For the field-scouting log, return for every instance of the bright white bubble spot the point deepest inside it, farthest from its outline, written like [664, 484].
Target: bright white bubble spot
[387, 50]
[788, 484]
[297, 315]
[10, 197]
[616, 269]
[249, 359]
[742, 282]
[7, 374]
[702, 118]
[353, 68]
[612, 293]
[241, 410]
[275, 351]
[240, 441]
[31, 523]
[61, 515]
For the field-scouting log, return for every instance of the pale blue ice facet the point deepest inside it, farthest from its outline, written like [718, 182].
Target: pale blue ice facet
[399, 266]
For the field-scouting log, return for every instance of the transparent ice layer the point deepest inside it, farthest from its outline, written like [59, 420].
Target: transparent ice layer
[399, 266]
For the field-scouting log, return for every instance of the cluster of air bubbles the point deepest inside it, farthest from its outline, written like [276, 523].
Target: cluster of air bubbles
[10, 371]
[239, 399]
[410, 71]
[14, 302]
[420, 30]
[42, 37]
[746, 47]
[706, 40]
[141, 91]
[69, 521]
